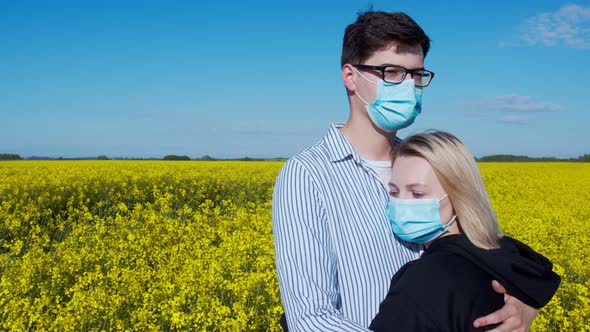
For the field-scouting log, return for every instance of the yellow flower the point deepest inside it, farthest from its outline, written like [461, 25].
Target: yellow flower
[154, 245]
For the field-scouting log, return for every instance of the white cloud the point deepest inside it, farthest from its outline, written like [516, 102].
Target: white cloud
[510, 102]
[514, 102]
[508, 109]
[514, 119]
[569, 27]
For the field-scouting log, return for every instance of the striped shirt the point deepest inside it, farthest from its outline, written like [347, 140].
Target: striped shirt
[334, 245]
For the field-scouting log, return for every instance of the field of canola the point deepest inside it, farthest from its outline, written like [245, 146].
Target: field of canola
[153, 245]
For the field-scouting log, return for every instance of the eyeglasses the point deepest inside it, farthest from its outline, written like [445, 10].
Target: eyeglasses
[397, 74]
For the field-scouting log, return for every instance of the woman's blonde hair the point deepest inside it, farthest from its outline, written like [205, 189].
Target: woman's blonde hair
[459, 175]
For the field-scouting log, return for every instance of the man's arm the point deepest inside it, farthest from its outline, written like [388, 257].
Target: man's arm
[306, 265]
[514, 315]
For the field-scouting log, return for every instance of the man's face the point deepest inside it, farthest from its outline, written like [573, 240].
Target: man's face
[410, 58]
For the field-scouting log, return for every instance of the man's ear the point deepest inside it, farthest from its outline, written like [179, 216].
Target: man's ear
[348, 75]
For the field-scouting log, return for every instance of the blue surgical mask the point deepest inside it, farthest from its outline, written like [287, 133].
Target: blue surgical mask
[417, 220]
[396, 106]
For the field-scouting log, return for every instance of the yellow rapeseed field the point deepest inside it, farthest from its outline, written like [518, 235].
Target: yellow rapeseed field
[154, 245]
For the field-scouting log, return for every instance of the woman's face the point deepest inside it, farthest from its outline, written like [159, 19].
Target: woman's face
[413, 178]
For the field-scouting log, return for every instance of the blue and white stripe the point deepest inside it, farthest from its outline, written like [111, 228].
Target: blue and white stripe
[335, 248]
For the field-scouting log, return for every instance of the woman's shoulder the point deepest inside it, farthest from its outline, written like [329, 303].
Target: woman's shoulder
[444, 285]
[442, 267]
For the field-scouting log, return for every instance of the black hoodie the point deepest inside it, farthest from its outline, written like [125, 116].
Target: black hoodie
[450, 285]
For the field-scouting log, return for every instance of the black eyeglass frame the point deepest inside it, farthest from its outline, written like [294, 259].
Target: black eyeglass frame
[406, 71]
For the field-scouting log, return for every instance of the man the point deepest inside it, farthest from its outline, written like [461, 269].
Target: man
[335, 248]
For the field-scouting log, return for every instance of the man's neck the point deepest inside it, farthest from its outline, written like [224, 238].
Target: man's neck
[370, 142]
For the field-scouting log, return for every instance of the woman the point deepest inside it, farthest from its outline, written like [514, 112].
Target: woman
[438, 199]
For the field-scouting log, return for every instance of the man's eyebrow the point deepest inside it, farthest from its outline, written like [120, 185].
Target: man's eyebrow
[393, 64]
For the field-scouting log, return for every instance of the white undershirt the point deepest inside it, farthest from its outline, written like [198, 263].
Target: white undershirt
[382, 168]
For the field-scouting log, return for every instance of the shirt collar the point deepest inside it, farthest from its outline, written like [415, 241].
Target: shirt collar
[339, 149]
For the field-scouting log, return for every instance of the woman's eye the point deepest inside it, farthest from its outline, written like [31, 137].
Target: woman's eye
[393, 193]
[418, 195]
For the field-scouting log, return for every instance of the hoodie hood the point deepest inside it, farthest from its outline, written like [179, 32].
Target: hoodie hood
[526, 274]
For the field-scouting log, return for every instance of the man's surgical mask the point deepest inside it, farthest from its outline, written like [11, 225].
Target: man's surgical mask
[396, 105]
[417, 220]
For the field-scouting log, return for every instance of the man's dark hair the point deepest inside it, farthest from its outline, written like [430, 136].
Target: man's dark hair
[375, 30]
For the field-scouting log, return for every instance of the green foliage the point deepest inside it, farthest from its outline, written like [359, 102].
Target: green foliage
[10, 156]
[517, 158]
[175, 157]
[206, 158]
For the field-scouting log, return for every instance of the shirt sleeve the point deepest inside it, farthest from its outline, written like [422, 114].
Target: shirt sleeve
[305, 262]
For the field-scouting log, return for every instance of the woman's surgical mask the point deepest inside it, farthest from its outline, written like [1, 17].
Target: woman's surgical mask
[417, 220]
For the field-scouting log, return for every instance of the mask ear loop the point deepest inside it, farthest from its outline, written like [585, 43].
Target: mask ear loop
[446, 227]
[368, 80]
[450, 223]
[361, 98]
[363, 76]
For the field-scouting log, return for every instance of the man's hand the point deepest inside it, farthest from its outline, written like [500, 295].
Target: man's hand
[515, 316]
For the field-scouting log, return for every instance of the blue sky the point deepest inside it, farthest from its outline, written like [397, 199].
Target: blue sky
[262, 78]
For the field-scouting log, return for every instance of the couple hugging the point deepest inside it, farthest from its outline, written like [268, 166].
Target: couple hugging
[377, 234]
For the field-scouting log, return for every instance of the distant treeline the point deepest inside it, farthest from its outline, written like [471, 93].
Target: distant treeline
[7, 156]
[10, 156]
[513, 158]
[493, 158]
[209, 158]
